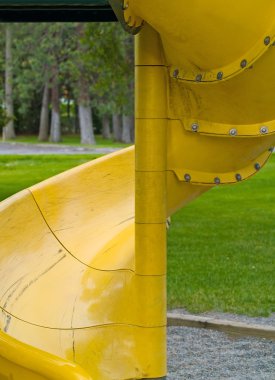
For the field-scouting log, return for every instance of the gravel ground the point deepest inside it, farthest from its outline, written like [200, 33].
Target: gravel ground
[24, 148]
[202, 354]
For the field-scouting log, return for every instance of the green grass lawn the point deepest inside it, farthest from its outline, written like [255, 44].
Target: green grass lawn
[72, 140]
[221, 247]
[18, 172]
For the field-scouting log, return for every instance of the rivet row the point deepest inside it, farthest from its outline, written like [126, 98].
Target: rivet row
[217, 180]
[219, 76]
[233, 131]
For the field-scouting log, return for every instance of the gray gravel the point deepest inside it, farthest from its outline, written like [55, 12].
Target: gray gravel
[24, 148]
[199, 354]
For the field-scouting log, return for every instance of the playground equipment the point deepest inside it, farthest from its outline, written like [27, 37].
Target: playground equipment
[83, 270]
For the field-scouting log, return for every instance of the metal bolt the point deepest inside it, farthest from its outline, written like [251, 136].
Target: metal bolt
[219, 75]
[195, 127]
[233, 132]
[267, 40]
[243, 63]
[198, 78]
[238, 177]
[187, 177]
[217, 180]
[175, 73]
[125, 6]
[264, 130]
[257, 166]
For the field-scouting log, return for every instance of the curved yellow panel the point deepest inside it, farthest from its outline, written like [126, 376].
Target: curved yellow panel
[207, 37]
[219, 67]
[68, 284]
[18, 361]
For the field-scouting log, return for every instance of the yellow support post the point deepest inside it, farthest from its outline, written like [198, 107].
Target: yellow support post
[150, 166]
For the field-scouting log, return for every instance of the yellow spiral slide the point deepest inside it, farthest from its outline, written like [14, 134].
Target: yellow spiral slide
[83, 254]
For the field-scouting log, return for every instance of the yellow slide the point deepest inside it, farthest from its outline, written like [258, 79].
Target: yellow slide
[83, 255]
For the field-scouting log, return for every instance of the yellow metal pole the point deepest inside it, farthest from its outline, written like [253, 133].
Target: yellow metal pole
[150, 191]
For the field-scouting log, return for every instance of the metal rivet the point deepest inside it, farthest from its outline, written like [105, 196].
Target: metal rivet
[175, 73]
[194, 127]
[125, 6]
[198, 78]
[257, 166]
[243, 63]
[219, 75]
[238, 177]
[217, 180]
[264, 130]
[267, 40]
[187, 177]
[233, 132]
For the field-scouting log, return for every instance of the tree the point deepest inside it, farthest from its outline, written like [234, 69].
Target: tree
[44, 115]
[8, 129]
[55, 132]
[113, 54]
[92, 61]
[106, 128]
[83, 91]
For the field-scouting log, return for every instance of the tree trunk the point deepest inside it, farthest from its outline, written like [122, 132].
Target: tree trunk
[55, 135]
[117, 129]
[76, 119]
[85, 113]
[132, 131]
[127, 124]
[106, 129]
[44, 115]
[8, 129]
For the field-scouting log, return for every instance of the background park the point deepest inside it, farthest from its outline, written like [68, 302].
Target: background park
[62, 84]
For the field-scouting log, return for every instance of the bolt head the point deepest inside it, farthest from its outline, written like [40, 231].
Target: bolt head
[263, 130]
[220, 75]
[217, 180]
[267, 40]
[233, 132]
[243, 63]
[194, 127]
[238, 177]
[198, 78]
[257, 166]
[187, 177]
[175, 73]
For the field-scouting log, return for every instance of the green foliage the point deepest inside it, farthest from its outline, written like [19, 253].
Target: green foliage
[114, 53]
[102, 53]
[221, 249]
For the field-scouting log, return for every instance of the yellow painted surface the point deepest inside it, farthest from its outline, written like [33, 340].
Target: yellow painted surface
[83, 255]
[68, 284]
[19, 361]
